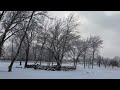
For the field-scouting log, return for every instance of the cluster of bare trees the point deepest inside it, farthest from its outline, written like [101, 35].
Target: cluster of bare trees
[106, 62]
[33, 35]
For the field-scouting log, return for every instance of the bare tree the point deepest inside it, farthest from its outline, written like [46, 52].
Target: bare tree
[29, 37]
[10, 21]
[96, 43]
[81, 47]
[42, 38]
[26, 26]
[106, 62]
[61, 38]
[99, 60]
[19, 47]
[84, 58]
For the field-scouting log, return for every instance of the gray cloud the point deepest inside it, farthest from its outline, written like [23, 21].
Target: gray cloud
[107, 26]
[102, 19]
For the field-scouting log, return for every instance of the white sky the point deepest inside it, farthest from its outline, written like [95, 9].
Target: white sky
[103, 23]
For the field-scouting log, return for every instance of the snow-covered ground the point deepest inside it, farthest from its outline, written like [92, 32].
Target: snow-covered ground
[80, 73]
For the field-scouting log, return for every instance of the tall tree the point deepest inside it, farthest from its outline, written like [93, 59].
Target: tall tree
[96, 43]
[62, 35]
[29, 37]
[19, 47]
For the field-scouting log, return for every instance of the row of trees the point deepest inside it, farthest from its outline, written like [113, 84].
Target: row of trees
[107, 61]
[33, 35]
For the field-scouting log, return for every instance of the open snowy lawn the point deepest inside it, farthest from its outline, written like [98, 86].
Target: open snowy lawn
[80, 73]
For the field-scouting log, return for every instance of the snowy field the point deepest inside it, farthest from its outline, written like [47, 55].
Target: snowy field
[80, 73]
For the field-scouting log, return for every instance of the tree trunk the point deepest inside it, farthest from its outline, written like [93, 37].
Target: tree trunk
[74, 63]
[40, 62]
[58, 66]
[10, 67]
[93, 59]
[2, 42]
[99, 64]
[84, 61]
[12, 49]
[88, 64]
[20, 62]
[52, 63]
[35, 56]
[1, 50]
[27, 56]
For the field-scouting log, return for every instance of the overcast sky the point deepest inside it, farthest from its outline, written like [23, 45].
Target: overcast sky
[103, 23]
